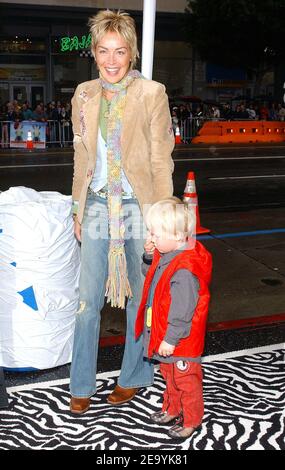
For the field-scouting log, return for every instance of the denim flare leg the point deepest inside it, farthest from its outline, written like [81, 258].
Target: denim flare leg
[135, 371]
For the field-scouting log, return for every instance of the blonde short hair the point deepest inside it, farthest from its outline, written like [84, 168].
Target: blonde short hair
[172, 217]
[114, 21]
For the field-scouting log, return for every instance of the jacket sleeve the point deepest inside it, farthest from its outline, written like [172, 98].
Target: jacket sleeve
[162, 145]
[80, 151]
[146, 263]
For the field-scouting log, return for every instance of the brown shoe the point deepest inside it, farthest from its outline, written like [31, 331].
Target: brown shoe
[121, 395]
[78, 406]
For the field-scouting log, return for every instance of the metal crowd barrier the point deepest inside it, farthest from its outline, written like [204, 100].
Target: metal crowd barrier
[58, 134]
[189, 128]
[5, 134]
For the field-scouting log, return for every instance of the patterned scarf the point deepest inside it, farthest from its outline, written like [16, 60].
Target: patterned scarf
[117, 287]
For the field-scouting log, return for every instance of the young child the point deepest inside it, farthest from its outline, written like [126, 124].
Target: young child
[173, 312]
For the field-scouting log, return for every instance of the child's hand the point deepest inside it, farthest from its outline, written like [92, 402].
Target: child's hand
[149, 246]
[165, 349]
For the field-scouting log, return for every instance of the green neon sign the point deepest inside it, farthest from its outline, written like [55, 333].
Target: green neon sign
[75, 43]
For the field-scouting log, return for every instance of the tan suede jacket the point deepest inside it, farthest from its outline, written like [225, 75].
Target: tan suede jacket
[147, 140]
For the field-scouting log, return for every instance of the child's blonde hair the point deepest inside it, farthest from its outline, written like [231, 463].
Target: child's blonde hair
[114, 21]
[172, 217]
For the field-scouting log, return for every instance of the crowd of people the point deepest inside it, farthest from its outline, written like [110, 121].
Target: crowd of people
[56, 114]
[58, 111]
[53, 111]
[240, 111]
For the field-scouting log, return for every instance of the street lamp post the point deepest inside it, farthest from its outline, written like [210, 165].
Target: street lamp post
[149, 9]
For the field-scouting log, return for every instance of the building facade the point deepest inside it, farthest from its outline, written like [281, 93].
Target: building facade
[44, 48]
[44, 51]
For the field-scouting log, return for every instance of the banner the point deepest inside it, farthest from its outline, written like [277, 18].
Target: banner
[19, 133]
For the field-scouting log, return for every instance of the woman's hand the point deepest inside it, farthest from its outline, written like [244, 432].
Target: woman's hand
[165, 349]
[77, 229]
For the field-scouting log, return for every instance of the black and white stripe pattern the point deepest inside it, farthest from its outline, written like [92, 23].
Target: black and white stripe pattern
[244, 409]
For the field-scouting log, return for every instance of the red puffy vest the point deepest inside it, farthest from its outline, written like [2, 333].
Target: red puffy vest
[199, 262]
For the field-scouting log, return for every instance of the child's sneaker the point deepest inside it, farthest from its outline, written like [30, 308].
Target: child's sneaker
[178, 432]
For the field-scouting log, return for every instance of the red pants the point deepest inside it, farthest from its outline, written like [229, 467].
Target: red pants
[184, 391]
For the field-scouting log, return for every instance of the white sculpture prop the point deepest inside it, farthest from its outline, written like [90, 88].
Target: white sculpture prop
[39, 277]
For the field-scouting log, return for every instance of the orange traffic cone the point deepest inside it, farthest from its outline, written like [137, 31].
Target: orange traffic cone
[177, 136]
[190, 197]
[30, 143]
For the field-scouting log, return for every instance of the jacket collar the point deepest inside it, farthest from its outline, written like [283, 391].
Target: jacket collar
[166, 258]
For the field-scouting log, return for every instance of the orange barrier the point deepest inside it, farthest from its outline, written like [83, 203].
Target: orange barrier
[190, 197]
[247, 132]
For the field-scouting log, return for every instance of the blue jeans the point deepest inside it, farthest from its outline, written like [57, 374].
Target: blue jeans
[135, 371]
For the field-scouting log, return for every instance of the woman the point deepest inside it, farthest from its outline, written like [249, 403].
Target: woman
[123, 141]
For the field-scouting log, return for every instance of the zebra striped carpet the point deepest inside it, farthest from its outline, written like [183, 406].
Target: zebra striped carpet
[244, 409]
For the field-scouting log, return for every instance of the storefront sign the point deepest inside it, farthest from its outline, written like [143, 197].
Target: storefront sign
[22, 72]
[75, 43]
[19, 133]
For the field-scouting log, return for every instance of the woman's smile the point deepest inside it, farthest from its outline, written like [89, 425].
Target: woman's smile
[113, 57]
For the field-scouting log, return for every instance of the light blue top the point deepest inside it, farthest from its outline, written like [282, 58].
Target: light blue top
[100, 174]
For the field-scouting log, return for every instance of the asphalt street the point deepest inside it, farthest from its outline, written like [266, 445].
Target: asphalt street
[227, 177]
[233, 178]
